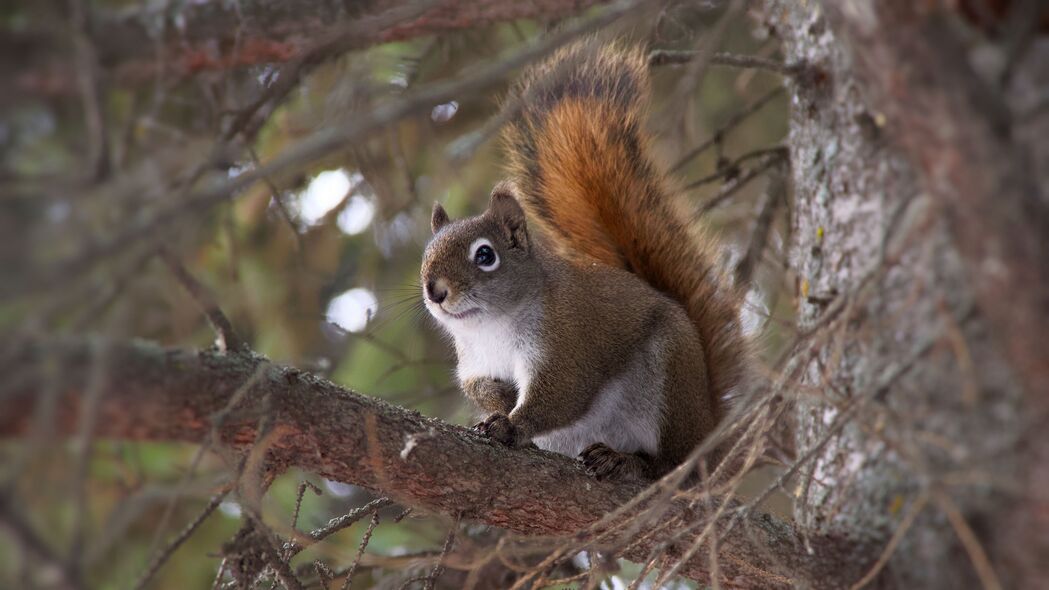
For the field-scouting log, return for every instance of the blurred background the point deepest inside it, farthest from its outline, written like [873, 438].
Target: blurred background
[106, 149]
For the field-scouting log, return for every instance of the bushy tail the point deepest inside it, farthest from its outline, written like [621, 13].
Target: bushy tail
[580, 158]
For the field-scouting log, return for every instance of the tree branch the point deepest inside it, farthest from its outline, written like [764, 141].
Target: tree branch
[150, 393]
[195, 37]
[315, 146]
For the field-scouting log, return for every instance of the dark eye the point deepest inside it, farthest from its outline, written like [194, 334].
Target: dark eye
[484, 256]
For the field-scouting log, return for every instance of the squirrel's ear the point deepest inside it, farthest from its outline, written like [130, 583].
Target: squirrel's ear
[505, 209]
[439, 218]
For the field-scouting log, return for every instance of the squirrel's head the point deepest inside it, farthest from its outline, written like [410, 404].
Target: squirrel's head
[479, 267]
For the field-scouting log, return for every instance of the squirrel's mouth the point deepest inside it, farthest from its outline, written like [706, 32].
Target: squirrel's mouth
[462, 314]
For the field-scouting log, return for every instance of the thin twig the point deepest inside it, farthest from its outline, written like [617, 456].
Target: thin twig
[324, 574]
[321, 143]
[212, 438]
[732, 188]
[306, 484]
[161, 558]
[413, 580]
[87, 70]
[85, 436]
[908, 520]
[220, 574]
[30, 541]
[228, 340]
[662, 57]
[278, 199]
[352, 36]
[729, 125]
[977, 554]
[438, 568]
[360, 550]
[775, 196]
[272, 553]
[730, 170]
[292, 548]
[460, 150]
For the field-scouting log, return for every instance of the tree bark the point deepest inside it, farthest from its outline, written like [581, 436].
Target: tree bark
[895, 166]
[144, 392]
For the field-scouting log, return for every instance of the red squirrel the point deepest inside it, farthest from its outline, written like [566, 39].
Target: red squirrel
[610, 334]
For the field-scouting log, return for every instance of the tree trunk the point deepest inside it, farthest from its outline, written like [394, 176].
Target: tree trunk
[903, 377]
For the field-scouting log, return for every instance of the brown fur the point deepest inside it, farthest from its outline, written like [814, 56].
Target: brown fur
[581, 159]
[626, 295]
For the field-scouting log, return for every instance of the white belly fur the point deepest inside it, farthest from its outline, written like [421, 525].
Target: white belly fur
[493, 349]
[626, 415]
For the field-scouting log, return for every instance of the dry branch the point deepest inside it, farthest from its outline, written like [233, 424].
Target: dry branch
[134, 45]
[151, 393]
[315, 146]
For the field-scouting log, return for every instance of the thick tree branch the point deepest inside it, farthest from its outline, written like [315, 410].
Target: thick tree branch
[150, 393]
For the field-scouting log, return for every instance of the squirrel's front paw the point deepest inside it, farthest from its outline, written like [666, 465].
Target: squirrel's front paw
[498, 428]
[604, 462]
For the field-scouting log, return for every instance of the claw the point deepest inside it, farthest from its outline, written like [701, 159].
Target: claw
[498, 428]
[603, 462]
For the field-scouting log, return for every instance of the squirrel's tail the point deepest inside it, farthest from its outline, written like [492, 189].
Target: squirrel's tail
[580, 158]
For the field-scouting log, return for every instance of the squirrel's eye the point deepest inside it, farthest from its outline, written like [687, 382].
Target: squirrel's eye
[484, 255]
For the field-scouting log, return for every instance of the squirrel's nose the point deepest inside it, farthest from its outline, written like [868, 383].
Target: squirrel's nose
[436, 291]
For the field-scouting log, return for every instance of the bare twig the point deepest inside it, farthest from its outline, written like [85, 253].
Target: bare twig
[271, 552]
[731, 188]
[306, 484]
[908, 520]
[360, 550]
[463, 148]
[972, 545]
[355, 35]
[438, 568]
[161, 558]
[291, 548]
[28, 539]
[220, 574]
[323, 142]
[204, 37]
[775, 197]
[730, 170]
[729, 125]
[228, 340]
[662, 57]
[696, 68]
[87, 71]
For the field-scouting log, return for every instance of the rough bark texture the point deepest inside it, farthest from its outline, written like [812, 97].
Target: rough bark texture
[878, 190]
[190, 37]
[148, 393]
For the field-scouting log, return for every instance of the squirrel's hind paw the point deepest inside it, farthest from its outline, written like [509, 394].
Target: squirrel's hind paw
[604, 462]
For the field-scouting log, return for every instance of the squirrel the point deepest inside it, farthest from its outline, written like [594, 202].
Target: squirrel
[612, 336]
